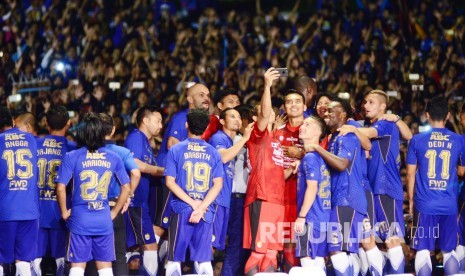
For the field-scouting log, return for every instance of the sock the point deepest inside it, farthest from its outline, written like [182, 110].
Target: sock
[76, 271]
[307, 262]
[386, 263]
[252, 266]
[60, 266]
[162, 249]
[460, 251]
[320, 262]
[23, 269]
[375, 260]
[204, 268]
[423, 266]
[451, 263]
[173, 269]
[150, 263]
[289, 259]
[396, 257]
[1, 269]
[341, 264]
[355, 260]
[364, 261]
[35, 265]
[105, 272]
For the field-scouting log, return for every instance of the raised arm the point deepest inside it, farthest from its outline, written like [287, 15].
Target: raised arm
[265, 103]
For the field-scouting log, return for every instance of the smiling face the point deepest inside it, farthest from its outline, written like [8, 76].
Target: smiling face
[310, 129]
[232, 120]
[321, 106]
[334, 115]
[294, 105]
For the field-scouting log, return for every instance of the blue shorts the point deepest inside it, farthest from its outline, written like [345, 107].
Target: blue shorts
[81, 249]
[18, 240]
[159, 204]
[434, 231]
[346, 229]
[389, 217]
[220, 227]
[183, 235]
[139, 227]
[312, 244]
[52, 242]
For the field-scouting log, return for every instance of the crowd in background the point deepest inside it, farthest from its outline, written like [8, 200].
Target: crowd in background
[69, 52]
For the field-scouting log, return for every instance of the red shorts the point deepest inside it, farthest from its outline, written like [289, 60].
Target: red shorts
[290, 215]
[263, 226]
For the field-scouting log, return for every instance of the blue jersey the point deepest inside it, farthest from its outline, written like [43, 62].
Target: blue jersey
[346, 186]
[19, 196]
[194, 164]
[437, 154]
[462, 189]
[128, 162]
[91, 174]
[365, 182]
[314, 168]
[50, 152]
[384, 161]
[176, 128]
[140, 148]
[221, 140]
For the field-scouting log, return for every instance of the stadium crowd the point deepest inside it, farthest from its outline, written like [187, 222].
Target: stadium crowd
[120, 58]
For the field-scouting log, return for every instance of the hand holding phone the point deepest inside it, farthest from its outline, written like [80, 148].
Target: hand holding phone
[283, 72]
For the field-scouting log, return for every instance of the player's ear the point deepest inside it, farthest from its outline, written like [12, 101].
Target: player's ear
[113, 131]
[187, 125]
[222, 122]
[219, 105]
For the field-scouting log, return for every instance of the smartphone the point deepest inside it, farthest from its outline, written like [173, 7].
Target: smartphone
[14, 98]
[282, 72]
[138, 84]
[115, 85]
[71, 114]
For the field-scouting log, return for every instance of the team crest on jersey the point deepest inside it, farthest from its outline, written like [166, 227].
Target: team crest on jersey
[213, 238]
[165, 220]
[259, 244]
[281, 138]
[147, 236]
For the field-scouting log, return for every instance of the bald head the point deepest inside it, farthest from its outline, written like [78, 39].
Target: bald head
[307, 87]
[198, 96]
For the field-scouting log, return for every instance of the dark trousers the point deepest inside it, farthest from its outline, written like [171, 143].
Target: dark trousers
[236, 256]
[120, 267]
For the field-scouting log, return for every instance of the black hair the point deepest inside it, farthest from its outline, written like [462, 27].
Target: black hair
[318, 96]
[437, 108]
[197, 120]
[91, 134]
[345, 106]
[107, 123]
[322, 125]
[293, 91]
[144, 112]
[57, 117]
[226, 92]
[6, 120]
[246, 111]
[223, 113]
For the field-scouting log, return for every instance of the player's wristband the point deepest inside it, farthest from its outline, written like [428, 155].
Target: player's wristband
[398, 118]
[301, 217]
[131, 196]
